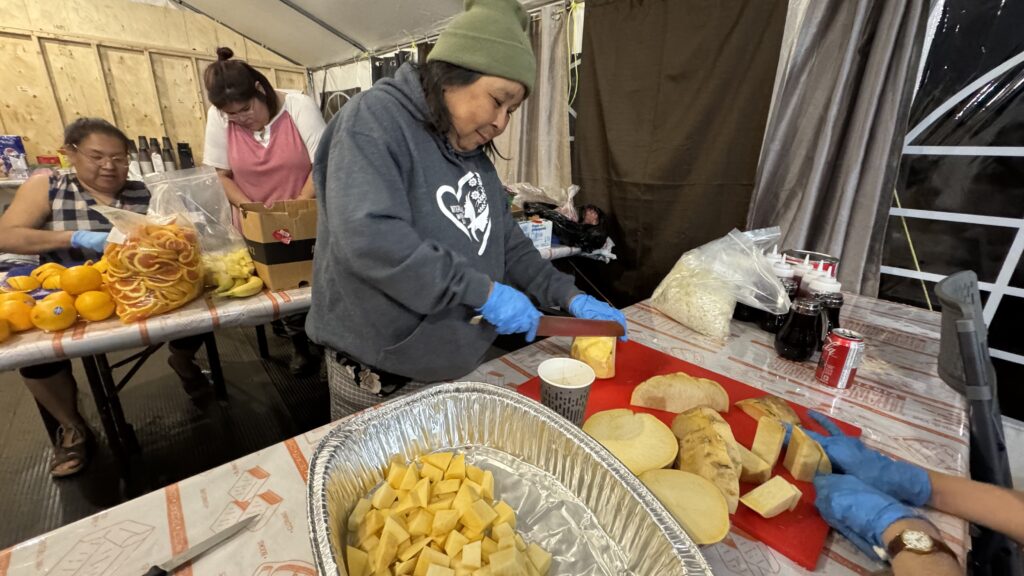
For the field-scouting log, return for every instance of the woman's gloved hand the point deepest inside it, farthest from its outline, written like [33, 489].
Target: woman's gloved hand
[856, 510]
[590, 308]
[900, 480]
[95, 241]
[510, 311]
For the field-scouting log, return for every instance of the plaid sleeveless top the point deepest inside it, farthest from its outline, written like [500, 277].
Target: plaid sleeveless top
[70, 209]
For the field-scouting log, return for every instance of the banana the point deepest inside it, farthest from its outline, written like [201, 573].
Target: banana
[253, 286]
[224, 282]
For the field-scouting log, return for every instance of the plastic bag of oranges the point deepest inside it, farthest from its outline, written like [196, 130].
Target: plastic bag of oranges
[154, 268]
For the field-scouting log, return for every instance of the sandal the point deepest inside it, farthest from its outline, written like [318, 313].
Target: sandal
[77, 452]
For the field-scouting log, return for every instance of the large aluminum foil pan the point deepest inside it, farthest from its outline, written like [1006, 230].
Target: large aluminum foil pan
[570, 495]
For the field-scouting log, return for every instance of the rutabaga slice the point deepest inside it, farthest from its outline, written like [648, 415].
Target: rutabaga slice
[640, 441]
[696, 503]
[771, 406]
[772, 498]
[768, 440]
[679, 392]
[755, 469]
[803, 456]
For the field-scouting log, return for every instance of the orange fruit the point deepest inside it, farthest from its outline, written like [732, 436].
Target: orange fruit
[18, 313]
[22, 283]
[5, 330]
[52, 316]
[94, 305]
[17, 297]
[79, 279]
[66, 300]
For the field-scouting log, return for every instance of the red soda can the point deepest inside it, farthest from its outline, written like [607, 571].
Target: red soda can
[840, 357]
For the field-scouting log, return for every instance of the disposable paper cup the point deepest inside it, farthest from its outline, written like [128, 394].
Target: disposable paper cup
[565, 387]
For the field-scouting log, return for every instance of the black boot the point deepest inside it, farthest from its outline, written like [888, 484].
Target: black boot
[304, 362]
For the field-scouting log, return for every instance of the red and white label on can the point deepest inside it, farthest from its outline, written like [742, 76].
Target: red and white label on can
[840, 356]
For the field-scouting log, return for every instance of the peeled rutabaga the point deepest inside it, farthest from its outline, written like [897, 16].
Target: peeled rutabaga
[598, 352]
[640, 441]
[694, 502]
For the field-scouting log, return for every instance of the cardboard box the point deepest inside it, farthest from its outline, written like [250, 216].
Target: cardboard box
[281, 241]
[538, 231]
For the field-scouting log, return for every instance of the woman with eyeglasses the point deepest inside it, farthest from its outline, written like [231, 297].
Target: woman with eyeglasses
[262, 141]
[51, 217]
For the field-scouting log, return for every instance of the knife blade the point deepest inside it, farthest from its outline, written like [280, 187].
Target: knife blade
[568, 326]
[194, 551]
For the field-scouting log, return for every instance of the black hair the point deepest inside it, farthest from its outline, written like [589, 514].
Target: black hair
[230, 81]
[437, 75]
[82, 128]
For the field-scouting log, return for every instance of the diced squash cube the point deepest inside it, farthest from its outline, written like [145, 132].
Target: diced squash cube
[372, 524]
[453, 545]
[487, 546]
[438, 570]
[421, 522]
[539, 557]
[488, 486]
[369, 544]
[441, 503]
[506, 515]
[479, 516]
[432, 472]
[439, 460]
[502, 531]
[357, 561]
[385, 553]
[414, 548]
[771, 498]
[506, 542]
[456, 468]
[395, 528]
[803, 456]
[384, 497]
[404, 504]
[472, 535]
[475, 474]
[430, 556]
[444, 522]
[507, 562]
[465, 498]
[358, 513]
[421, 493]
[471, 554]
[411, 477]
[406, 567]
[520, 543]
[396, 473]
[451, 485]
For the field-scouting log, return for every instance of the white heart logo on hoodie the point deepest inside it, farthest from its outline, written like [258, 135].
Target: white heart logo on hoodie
[467, 208]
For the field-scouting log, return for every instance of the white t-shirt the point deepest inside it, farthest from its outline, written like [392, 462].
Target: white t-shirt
[302, 109]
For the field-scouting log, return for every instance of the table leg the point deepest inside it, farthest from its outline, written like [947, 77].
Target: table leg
[261, 341]
[99, 395]
[216, 371]
[116, 412]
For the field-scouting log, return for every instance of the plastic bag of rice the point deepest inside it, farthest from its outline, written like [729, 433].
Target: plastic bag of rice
[693, 295]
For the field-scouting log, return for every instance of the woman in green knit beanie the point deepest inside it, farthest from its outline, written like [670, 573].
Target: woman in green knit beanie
[415, 237]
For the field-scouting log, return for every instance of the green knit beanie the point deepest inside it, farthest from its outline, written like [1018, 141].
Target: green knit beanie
[490, 37]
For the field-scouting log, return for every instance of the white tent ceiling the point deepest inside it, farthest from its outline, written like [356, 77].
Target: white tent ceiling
[317, 33]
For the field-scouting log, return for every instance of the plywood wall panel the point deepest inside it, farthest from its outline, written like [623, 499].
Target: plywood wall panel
[28, 107]
[125, 22]
[15, 15]
[180, 100]
[257, 53]
[77, 80]
[292, 81]
[132, 93]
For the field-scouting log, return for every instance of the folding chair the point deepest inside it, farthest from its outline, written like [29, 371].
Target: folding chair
[965, 365]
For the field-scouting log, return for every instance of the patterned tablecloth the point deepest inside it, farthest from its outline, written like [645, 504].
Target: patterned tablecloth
[899, 401]
[202, 315]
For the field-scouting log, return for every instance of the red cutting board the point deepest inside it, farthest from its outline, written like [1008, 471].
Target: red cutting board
[800, 534]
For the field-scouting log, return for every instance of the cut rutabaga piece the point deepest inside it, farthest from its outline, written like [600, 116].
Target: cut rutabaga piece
[697, 504]
[358, 562]
[679, 392]
[598, 352]
[768, 439]
[772, 498]
[755, 469]
[358, 513]
[771, 406]
[824, 465]
[803, 456]
[707, 448]
[640, 441]
[539, 557]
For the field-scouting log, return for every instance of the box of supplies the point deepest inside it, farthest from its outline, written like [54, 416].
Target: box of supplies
[281, 240]
[538, 231]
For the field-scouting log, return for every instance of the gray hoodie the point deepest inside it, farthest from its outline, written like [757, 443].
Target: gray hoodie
[410, 235]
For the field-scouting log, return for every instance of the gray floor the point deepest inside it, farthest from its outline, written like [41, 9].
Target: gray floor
[179, 437]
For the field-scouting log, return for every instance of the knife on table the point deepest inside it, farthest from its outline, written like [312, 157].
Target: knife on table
[569, 326]
[195, 551]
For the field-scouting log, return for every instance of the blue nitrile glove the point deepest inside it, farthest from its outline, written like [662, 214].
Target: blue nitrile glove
[856, 510]
[901, 480]
[590, 308]
[511, 312]
[95, 241]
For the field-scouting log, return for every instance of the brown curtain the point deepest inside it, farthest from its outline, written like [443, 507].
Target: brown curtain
[674, 95]
[536, 142]
[834, 139]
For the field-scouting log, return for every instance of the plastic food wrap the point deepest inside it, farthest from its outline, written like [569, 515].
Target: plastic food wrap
[703, 287]
[153, 264]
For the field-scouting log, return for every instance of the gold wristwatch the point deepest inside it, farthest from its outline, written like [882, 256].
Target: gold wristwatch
[917, 542]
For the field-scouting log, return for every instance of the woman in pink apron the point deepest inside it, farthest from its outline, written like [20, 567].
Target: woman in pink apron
[262, 142]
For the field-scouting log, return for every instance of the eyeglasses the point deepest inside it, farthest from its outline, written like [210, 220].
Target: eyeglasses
[245, 112]
[101, 160]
